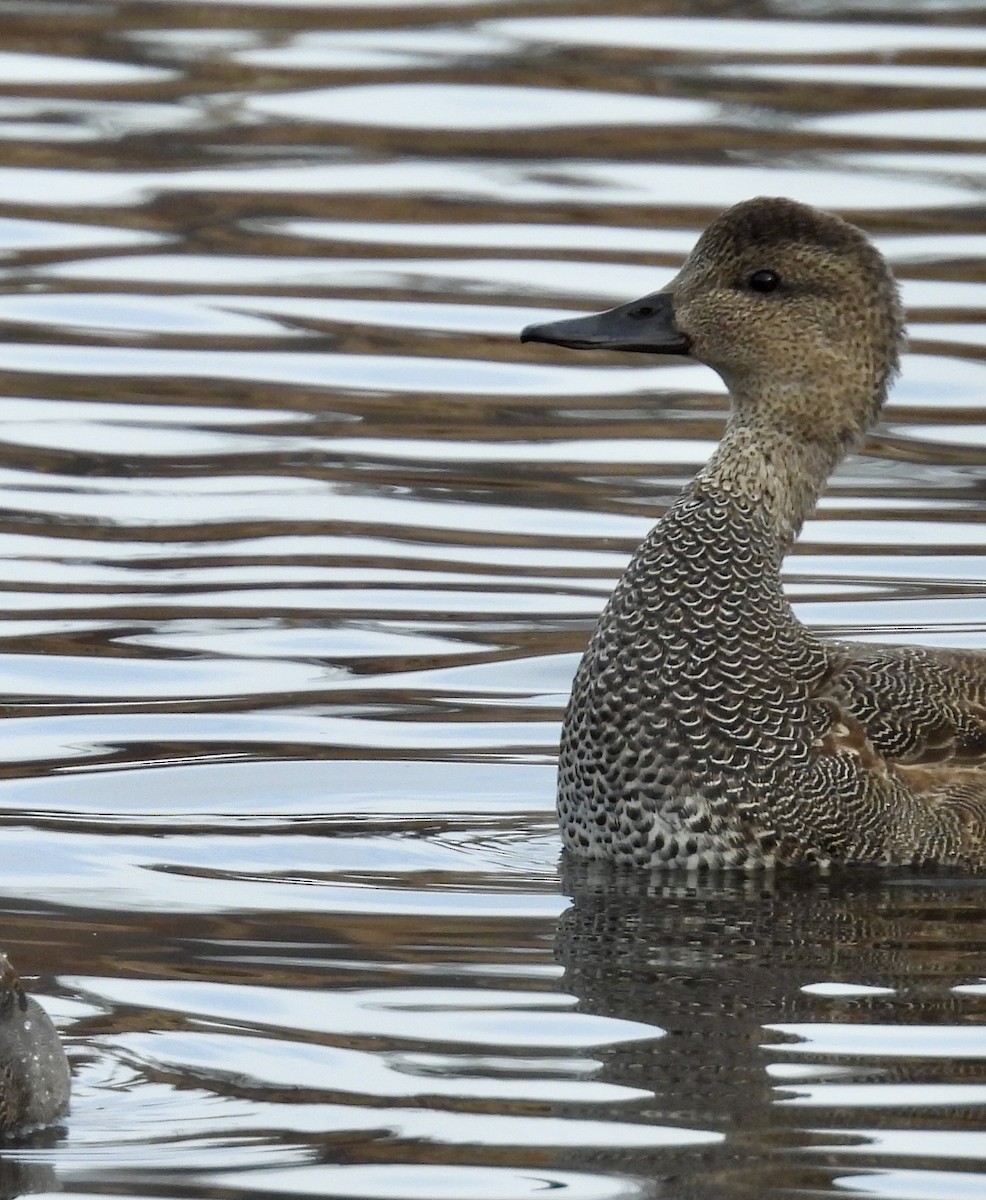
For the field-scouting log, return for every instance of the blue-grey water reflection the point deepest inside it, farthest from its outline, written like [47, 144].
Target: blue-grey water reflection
[299, 548]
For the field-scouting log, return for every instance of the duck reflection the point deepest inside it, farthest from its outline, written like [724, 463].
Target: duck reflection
[719, 965]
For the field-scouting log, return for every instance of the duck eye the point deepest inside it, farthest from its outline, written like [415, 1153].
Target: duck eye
[764, 281]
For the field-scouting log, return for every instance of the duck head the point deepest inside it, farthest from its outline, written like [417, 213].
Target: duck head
[794, 308]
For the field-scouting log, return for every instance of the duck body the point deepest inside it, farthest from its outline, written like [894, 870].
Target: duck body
[708, 728]
[34, 1072]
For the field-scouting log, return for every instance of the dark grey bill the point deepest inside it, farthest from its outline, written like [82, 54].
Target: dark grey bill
[647, 325]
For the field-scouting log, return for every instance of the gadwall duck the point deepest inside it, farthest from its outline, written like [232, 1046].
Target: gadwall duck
[708, 728]
[34, 1072]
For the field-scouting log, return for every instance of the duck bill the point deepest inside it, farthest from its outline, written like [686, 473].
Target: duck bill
[647, 325]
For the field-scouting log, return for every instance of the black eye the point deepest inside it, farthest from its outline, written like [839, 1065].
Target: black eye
[764, 281]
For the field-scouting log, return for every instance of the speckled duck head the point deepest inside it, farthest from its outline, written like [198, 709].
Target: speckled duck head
[799, 314]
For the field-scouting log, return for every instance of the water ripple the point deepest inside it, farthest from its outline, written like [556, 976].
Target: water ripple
[300, 547]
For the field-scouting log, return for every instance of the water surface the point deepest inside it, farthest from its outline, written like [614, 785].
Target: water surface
[299, 548]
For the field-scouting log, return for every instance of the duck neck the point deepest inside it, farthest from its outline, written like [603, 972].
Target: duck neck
[778, 472]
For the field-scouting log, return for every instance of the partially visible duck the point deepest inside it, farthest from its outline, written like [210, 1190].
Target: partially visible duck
[708, 728]
[34, 1072]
